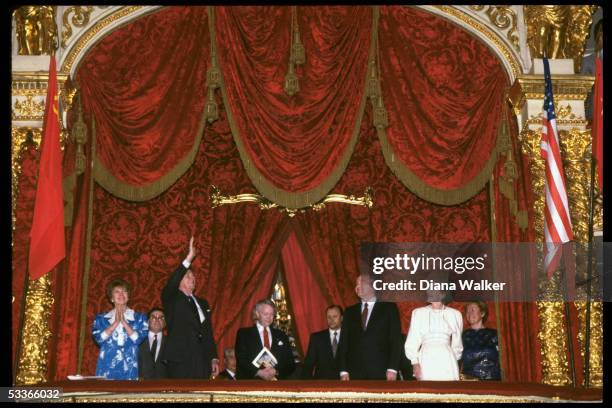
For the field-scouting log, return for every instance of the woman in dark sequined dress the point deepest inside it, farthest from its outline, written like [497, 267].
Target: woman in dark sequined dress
[480, 358]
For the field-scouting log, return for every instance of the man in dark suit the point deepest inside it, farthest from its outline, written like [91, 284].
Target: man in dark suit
[191, 350]
[370, 346]
[151, 360]
[251, 340]
[321, 360]
[230, 365]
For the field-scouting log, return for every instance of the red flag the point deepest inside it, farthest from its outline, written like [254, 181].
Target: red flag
[47, 246]
[597, 129]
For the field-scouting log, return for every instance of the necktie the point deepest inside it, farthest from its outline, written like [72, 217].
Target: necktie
[335, 344]
[197, 308]
[266, 339]
[154, 347]
[364, 316]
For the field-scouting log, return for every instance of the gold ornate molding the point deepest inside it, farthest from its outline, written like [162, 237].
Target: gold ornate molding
[84, 40]
[80, 19]
[28, 109]
[565, 87]
[32, 364]
[502, 17]
[218, 199]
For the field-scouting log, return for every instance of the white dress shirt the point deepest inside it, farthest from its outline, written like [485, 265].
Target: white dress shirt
[260, 330]
[187, 264]
[370, 303]
[331, 335]
[370, 307]
[159, 342]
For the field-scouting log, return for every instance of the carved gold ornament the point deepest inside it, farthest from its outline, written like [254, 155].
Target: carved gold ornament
[28, 109]
[558, 31]
[218, 199]
[502, 17]
[32, 363]
[79, 19]
[36, 30]
[576, 154]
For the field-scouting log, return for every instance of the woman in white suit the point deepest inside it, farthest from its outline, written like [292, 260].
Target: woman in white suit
[433, 344]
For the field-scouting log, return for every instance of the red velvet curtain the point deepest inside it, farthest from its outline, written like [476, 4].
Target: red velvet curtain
[443, 90]
[333, 235]
[295, 142]
[308, 303]
[145, 84]
[238, 244]
[513, 337]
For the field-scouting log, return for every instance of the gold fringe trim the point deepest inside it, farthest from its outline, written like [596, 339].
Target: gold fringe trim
[277, 195]
[432, 194]
[68, 184]
[146, 192]
[85, 287]
[507, 180]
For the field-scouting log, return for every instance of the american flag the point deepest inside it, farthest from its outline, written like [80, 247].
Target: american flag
[557, 222]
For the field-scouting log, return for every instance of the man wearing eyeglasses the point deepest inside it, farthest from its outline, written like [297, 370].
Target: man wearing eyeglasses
[151, 360]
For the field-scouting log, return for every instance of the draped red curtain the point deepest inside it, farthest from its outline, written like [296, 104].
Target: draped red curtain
[146, 127]
[295, 142]
[332, 236]
[145, 85]
[308, 303]
[443, 90]
[513, 336]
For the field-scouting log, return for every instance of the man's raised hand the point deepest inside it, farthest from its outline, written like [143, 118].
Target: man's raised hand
[192, 252]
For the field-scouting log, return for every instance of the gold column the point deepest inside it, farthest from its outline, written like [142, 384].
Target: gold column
[33, 345]
[32, 363]
[575, 151]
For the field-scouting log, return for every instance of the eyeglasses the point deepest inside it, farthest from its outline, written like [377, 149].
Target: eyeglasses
[157, 317]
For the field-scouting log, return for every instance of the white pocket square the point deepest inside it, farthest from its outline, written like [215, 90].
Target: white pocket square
[280, 343]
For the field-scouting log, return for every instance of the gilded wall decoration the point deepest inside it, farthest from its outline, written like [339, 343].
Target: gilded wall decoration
[79, 19]
[503, 17]
[36, 30]
[32, 364]
[558, 31]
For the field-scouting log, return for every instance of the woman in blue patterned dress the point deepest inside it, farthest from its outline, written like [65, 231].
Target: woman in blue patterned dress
[480, 358]
[119, 333]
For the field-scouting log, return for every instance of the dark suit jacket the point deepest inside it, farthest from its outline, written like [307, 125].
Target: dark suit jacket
[190, 346]
[320, 362]
[225, 375]
[147, 368]
[367, 355]
[248, 345]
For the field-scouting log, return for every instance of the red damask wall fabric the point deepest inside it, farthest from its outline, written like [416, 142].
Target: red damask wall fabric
[295, 142]
[443, 90]
[145, 83]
